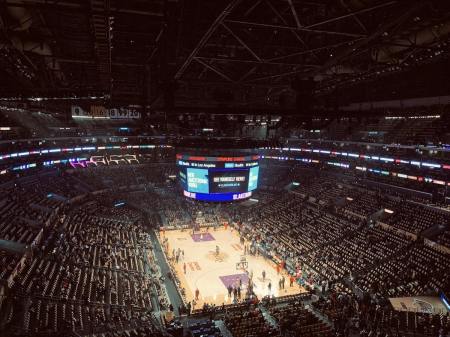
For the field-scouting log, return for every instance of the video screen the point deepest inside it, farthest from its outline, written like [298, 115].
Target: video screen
[228, 181]
[197, 180]
[253, 178]
[218, 178]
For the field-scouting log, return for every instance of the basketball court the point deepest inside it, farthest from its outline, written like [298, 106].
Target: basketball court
[214, 261]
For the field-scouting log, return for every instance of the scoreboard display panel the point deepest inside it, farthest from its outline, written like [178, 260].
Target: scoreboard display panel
[216, 178]
[197, 180]
[228, 180]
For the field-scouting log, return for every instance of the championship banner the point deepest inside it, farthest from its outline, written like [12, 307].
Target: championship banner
[100, 112]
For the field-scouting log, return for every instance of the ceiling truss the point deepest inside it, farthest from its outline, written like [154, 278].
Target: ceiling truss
[140, 51]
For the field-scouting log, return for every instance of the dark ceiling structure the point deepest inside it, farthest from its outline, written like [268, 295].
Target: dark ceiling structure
[239, 54]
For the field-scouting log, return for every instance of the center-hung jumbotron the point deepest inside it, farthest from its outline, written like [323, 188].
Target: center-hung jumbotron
[218, 178]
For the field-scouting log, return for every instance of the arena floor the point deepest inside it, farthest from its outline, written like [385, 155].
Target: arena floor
[211, 274]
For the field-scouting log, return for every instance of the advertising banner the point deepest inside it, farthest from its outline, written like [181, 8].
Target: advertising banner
[100, 112]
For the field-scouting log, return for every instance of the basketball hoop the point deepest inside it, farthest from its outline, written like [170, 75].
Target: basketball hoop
[243, 264]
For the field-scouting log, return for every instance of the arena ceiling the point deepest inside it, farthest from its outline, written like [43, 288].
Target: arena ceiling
[185, 54]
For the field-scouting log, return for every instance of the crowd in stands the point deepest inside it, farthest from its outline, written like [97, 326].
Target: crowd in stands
[93, 275]
[421, 270]
[85, 267]
[24, 123]
[420, 126]
[101, 177]
[249, 323]
[367, 203]
[356, 252]
[415, 218]
[88, 265]
[365, 316]
[294, 320]
[377, 260]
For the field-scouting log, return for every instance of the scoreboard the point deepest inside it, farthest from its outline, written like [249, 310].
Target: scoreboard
[212, 178]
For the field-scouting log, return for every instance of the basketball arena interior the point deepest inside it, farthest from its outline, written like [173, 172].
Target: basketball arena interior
[224, 168]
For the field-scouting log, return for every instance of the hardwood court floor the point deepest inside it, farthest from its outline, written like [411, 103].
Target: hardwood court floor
[211, 274]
